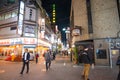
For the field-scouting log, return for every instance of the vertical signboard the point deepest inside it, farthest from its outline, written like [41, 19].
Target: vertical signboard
[20, 17]
[42, 24]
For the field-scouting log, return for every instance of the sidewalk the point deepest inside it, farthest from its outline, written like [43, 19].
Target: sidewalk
[61, 69]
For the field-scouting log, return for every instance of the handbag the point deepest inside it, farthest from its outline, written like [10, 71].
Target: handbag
[118, 61]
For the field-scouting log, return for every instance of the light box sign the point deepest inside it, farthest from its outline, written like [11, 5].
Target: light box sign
[42, 24]
[5, 42]
[29, 30]
[75, 32]
[29, 41]
[18, 41]
[29, 46]
[20, 17]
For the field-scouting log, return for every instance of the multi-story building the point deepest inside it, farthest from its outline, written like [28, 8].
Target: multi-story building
[24, 24]
[97, 23]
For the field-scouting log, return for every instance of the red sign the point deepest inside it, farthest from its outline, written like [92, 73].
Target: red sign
[29, 41]
[5, 42]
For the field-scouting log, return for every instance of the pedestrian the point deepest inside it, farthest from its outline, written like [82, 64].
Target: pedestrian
[47, 57]
[25, 58]
[36, 56]
[54, 55]
[118, 64]
[87, 61]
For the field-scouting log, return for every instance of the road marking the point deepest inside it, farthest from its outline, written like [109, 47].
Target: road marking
[64, 64]
[44, 70]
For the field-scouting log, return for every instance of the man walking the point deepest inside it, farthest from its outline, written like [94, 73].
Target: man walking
[87, 59]
[47, 59]
[25, 58]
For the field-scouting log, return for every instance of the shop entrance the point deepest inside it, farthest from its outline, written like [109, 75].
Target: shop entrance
[31, 49]
[81, 45]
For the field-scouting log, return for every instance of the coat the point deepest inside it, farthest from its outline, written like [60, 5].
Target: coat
[28, 57]
[47, 57]
[86, 58]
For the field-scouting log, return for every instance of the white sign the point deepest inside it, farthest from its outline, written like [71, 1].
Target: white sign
[20, 20]
[75, 32]
[42, 24]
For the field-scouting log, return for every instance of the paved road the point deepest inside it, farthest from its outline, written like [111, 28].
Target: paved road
[61, 69]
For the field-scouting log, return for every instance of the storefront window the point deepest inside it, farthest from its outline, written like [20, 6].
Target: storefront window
[101, 54]
[14, 13]
[8, 15]
[2, 17]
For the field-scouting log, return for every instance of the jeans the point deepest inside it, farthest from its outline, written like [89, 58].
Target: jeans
[48, 65]
[27, 65]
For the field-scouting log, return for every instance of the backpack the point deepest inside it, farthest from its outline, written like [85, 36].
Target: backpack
[80, 57]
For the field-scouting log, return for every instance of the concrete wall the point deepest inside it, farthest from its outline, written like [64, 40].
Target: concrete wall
[80, 18]
[5, 27]
[105, 18]
[105, 24]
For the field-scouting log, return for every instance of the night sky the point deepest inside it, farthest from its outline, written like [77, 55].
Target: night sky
[62, 13]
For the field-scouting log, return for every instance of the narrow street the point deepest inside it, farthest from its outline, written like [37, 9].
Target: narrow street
[61, 69]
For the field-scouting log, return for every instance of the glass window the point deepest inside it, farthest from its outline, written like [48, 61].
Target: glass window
[8, 15]
[14, 13]
[2, 17]
[101, 54]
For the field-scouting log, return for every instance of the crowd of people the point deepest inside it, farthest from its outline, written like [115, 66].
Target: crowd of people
[26, 57]
[85, 56]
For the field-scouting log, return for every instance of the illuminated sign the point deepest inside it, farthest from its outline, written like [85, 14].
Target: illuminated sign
[29, 30]
[18, 41]
[53, 19]
[4, 42]
[75, 32]
[20, 19]
[29, 41]
[42, 24]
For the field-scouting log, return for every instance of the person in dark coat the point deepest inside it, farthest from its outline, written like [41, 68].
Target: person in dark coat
[87, 61]
[47, 59]
[25, 58]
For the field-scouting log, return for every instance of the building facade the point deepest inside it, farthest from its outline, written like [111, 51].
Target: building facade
[97, 23]
[24, 24]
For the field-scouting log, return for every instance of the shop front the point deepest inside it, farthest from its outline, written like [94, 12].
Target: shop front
[82, 45]
[16, 46]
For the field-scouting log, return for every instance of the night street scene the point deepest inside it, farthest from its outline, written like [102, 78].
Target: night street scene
[59, 39]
